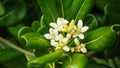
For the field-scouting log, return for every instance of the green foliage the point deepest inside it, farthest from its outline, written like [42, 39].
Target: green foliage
[96, 38]
[26, 22]
[2, 9]
[34, 40]
[44, 59]
[14, 12]
[7, 53]
[76, 60]
[112, 12]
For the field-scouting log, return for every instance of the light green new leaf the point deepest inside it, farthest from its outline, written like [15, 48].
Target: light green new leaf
[101, 39]
[76, 60]
[49, 10]
[48, 58]
[15, 11]
[2, 9]
[34, 40]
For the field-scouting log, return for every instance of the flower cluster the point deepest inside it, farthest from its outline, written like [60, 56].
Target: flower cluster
[61, 33]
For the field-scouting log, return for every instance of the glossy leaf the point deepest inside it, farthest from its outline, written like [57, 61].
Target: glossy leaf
[14, 30]
[35, 25]
[95, 65]
[112, 12]
[78, 9]
[91, 21]
[15, 11]
[49, 10]
[101, 39]
[112, 51]
[48, 58]
[24, 30]
[2, 9]
[34, 40]
[101, 3]
[76, 60]
[7, 53]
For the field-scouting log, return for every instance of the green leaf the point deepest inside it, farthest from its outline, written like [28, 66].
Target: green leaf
[101, 3]
[95, 65]
[91, 21]
[14, 30]
[78, 9]
[35, 25]
[42, 29]
[15, 11]
[48, 58]
[113, 51]
[7, 53]
[24, 30]
[75, 60]
[2, 9]
[49, 10]
[113, 12]
[34, 40]
[101, 39]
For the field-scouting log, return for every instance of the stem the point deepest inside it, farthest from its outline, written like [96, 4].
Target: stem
[91, 53]
[16, 47]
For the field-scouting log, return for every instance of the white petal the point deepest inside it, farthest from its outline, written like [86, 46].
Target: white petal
[53, 43]
[65, 40]
[72, 49]
[75, 27]
[55, 32]
[65, 21]
[68, 36]
[47, 36]
[59, 21]
[66, 48]
[75, 35]
[51, 30]
[84, 50]
[80, 24]
[54, 25]
[60, 37]
[84, 29]
[76, 41]
[57, 48]
[81, 36]
[61, 28]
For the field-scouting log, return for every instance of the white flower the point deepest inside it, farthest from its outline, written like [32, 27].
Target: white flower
[54, 43]
[80, 30]
[60, 25]
[62, 32]
[79, 47]
[61, 43]
[83, 49]
[66, 48]
[52, 35]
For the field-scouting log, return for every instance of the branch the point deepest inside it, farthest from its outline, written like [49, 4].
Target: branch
[16, 47]
[89, 54]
